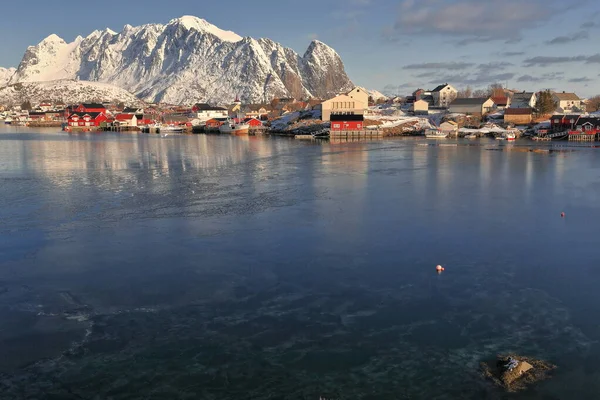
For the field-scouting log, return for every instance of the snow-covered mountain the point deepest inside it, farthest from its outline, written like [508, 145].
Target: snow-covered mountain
[67, 91]
[5, 75]
[188, 60]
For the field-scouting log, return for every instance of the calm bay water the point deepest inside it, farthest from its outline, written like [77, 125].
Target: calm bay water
[218, 267]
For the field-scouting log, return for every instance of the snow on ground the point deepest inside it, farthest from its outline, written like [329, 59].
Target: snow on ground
[67, 91]
[285, 121]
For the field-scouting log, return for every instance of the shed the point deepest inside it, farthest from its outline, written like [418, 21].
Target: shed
[518, 116]
[472, 106]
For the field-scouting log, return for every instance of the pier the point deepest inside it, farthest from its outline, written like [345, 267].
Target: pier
[582, 138]
[364, 134]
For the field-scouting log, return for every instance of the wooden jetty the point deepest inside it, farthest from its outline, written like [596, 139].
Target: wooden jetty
[364, 134]
[582, 138]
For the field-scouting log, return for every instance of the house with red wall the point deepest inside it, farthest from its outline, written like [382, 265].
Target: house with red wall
[586, 126]
[563, 122]
[348, 122]
[86, 119]
[253, 122]
[90, 108]
[215, 122]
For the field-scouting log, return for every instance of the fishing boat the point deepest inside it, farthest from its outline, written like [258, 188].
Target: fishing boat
[511, 137]
[435, 134]
[171, 129]
[234, 127]
[8, 120]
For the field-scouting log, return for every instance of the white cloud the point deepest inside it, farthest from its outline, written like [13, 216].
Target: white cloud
[485, 20]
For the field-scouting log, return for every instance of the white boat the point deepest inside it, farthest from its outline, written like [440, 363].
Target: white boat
[507, 136]
[471, 136]
[171, 129]
[435, 134]
[8, 120]
[232, 127]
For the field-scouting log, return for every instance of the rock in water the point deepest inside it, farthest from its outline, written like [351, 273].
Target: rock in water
[514, 372]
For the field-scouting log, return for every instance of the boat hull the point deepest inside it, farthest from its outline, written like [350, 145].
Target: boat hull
[234, 129]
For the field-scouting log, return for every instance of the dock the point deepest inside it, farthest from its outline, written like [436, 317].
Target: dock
[582, 138]
[364, 134]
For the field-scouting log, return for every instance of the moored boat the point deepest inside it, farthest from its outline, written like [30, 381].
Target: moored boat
[435, 134]
[235, 128]
[171, 129]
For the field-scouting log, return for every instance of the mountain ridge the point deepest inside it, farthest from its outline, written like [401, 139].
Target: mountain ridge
[187, 60]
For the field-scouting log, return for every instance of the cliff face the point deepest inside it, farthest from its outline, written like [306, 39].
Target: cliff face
[187, 60]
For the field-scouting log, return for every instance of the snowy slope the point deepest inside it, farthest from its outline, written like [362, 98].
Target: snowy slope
[376, 95]
[5, 75]
[67, 91]
[188, 60]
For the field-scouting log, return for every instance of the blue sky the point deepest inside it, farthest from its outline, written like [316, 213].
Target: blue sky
[391, 45]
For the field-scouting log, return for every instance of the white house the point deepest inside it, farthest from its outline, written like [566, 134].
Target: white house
[355, 102]
[126, 120]
[443, 95]
[523, 100]
[568, 102]
[204, 112]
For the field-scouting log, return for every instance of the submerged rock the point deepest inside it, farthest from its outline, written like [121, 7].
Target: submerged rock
[514, 372]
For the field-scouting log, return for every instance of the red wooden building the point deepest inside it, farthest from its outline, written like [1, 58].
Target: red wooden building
[564, 122]
[586, 126]
[86, 119]
[215, 122]
[350, 122]
[253, 122]
[90, 108]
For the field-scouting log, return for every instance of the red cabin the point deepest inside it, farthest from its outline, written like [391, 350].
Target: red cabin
[215, 122]
[350, 122]
[253, 122]
[91, 119]
[90, 108]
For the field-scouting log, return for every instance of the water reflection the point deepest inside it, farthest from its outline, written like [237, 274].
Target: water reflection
[271, 252]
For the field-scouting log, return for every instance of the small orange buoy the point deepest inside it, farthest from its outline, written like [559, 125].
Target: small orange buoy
[439, 268]
[563, 214]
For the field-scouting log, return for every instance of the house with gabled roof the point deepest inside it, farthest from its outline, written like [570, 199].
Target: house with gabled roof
[90, 108]
[523, 100]
[471, 106]
[443, 95]
[86, 119]
[568, 102]
[501, 102]
[354, 102]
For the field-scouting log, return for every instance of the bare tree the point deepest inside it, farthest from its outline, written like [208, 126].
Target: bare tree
[481, 93]
[496, 90]
[593, 103]
[466, 93]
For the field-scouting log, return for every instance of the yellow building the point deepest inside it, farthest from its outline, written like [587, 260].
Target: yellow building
[354, 102]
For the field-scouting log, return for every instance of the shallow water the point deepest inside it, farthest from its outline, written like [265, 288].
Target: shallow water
[219, 267]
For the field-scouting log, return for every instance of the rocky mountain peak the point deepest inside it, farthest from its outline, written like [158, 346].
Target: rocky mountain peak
[188, 60]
